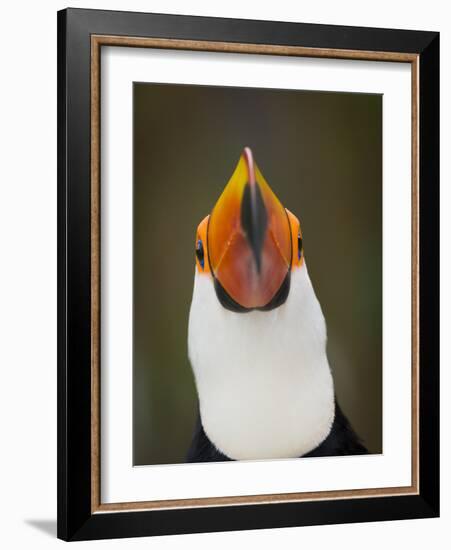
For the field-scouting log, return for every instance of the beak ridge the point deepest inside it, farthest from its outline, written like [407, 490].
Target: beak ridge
[254, 220]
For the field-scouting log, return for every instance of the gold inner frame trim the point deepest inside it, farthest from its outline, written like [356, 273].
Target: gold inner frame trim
[97, 41]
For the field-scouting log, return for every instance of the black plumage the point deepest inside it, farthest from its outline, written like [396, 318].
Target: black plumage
[342, 440]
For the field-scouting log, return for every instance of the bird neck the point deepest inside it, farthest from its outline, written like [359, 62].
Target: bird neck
[263, 378]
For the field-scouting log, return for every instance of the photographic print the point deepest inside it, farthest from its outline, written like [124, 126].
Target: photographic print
[257, 273]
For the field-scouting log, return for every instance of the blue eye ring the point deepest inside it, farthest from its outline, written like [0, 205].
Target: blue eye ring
[299, 246]
[200, 253]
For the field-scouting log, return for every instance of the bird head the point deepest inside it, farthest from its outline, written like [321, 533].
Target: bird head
[250, 243]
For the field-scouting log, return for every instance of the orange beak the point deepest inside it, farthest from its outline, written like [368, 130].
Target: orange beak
[249, 239]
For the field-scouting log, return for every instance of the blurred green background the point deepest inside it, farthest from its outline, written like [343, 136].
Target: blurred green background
[322, 155]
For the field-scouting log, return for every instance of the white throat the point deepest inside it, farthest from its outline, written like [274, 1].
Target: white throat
[263, 379]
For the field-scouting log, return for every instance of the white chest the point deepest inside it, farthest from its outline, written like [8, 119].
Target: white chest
[263, 379]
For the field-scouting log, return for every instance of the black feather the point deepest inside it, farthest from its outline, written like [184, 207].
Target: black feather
[202, 449]
[342, 440]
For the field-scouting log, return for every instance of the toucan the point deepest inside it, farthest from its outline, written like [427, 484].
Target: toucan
[257, 335]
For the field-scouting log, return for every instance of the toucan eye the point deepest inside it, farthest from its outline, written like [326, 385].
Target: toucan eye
[299, 246]
[200, 252]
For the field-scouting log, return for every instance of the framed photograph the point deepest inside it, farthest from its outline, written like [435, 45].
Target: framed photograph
[248, 274]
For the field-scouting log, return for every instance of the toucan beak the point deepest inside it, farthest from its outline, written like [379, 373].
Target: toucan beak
[249, 237]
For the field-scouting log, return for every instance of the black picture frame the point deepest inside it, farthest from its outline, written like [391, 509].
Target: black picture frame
[76, 520]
